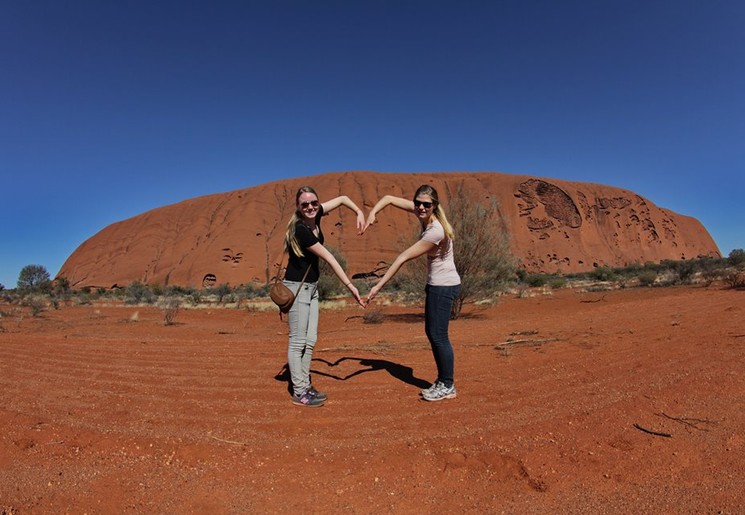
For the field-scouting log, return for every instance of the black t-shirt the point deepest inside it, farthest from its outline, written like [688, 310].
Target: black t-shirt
[296, 266]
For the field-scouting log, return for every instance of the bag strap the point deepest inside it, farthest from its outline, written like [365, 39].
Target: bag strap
[305, 275]
[288, 262]
[303, 281]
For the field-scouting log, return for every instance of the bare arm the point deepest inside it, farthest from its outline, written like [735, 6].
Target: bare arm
[401, 203]
[321, 251]
[343, 200]
[418, 249]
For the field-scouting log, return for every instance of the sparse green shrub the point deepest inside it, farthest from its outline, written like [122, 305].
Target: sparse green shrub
[35, 303]
[604, 273]
[536, 280]
[176, 290]
[34, 278]
[220, 291]
[170, 306]
[631, 270]
[735, 279]
[138, 293]
[647, 277]
[709, 276]
[736, 258]
[556, 283]
[481, 248]
[248, 291]
[60, 286]
[683, 271]
[521, 274]
[83, 299]
[373, 316]
[195, 298]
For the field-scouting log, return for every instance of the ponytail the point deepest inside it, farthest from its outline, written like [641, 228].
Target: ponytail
[290, 240]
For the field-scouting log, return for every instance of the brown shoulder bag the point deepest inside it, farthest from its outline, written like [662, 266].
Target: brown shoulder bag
[281, 295]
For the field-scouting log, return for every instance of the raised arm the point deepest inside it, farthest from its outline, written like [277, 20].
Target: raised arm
[323, 253]
[343, 200]
[401, 203]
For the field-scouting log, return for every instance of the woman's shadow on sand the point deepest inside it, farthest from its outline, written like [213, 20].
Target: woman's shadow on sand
[400, 372]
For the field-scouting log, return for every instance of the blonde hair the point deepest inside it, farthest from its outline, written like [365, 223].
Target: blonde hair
[439, 213]
[290, 241]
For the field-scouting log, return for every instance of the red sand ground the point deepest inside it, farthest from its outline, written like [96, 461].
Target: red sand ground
[103, 414]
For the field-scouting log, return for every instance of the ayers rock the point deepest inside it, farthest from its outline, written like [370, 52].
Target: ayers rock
[235, 237]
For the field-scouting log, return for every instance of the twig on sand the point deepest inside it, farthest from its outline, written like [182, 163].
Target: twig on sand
[228, 441]
[649, 431]
[690, 422]
[524, 333]
[592, 301]
[525, 342]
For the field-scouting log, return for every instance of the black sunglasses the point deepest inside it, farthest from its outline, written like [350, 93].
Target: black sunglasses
[426, 205]
[306, 205]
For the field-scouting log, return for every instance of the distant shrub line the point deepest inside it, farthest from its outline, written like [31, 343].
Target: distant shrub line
[704, 270]
[37, 293]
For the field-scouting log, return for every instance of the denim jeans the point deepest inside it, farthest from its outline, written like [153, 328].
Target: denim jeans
[437, 308]
[303, 333]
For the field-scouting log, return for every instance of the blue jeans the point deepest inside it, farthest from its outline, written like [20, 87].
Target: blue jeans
[303, 331]
[437, 308]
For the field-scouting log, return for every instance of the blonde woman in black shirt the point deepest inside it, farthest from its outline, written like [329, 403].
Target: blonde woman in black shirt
[304, 244]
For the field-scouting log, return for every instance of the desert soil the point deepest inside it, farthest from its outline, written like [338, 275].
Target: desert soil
[626, 401]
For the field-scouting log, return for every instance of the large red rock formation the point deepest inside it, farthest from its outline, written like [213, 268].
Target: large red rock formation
[234, 237]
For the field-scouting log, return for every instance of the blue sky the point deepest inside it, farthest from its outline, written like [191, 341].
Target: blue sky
[110, 109]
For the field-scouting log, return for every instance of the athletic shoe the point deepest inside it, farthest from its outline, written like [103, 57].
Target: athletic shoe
[431, 389]
[318, 395]
[441, 392]
[307, 400]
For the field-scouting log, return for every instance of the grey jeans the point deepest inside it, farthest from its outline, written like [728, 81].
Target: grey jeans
[303, 321]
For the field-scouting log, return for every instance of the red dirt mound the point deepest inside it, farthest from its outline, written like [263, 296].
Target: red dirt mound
[235, 237]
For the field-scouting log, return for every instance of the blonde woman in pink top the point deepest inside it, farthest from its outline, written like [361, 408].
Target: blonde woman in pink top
[443, 281]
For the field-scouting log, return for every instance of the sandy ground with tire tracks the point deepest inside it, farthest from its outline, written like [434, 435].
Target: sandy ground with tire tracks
[628, 401]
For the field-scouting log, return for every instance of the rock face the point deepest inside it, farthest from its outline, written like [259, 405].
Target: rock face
[236, 237]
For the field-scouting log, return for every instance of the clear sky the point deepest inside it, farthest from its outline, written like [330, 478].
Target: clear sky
[112, 108]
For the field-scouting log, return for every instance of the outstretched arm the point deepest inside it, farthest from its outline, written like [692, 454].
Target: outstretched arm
[343, 200]
[321, 251]
[419, 248]
[401, 203]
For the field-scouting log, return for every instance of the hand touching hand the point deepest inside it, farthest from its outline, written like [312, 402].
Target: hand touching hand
[373, 292]
[356, 295]
[370, 221]
[361, 223]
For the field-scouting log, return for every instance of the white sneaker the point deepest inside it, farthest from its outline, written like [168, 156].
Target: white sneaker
[432, 388]
[441, 392]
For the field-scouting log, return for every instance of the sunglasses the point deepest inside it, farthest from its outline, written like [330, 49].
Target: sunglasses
[426, 205]
[306, 205]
